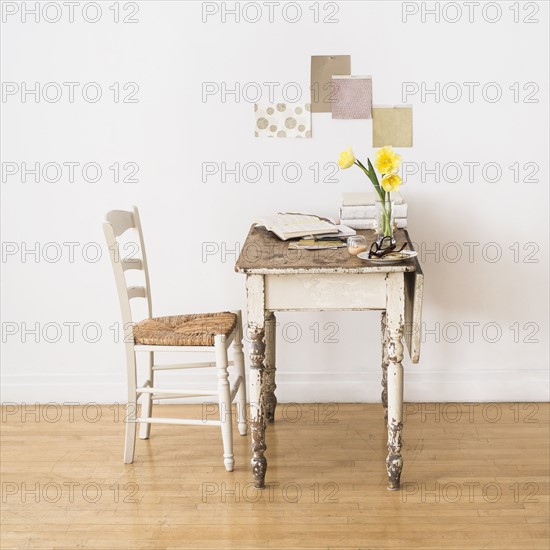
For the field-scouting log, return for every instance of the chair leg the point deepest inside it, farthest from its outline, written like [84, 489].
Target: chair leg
[131, 410]
[147, 406]
[238, 359]
[224, 401]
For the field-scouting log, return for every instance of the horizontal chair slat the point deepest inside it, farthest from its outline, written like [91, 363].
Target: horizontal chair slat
[200, 365]
[177, 396]
[178, 349]
[176, 390]
[121, 221]
[131, 263]
[183, 421]
[136, 292]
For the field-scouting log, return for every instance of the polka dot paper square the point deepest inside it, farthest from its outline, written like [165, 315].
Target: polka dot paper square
[282, 120]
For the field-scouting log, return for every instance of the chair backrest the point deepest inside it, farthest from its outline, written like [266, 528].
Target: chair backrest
[116, 223]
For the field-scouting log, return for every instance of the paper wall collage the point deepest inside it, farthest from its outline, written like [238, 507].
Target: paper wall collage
[335, 90]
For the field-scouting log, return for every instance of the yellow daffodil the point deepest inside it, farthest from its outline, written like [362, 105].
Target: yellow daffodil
[387, 161]
[391, 182]
[347, 159]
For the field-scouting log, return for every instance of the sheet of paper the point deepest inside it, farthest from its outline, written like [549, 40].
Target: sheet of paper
[323, 67]
[392, 126]
[282, 120]
[352, 97]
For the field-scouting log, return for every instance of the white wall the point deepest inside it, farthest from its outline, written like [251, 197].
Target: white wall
[171, 131]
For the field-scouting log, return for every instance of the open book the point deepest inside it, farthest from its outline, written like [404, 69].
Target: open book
[291, 226]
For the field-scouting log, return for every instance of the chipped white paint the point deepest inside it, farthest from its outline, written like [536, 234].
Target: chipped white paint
[414, 290]
[345, 291]
[384, 338]
[256, 332]
[395, 322]
[398, 268]
[255, 300]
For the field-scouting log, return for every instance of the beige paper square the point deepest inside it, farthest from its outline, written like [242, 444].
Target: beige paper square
[392, 126]
[322, 69]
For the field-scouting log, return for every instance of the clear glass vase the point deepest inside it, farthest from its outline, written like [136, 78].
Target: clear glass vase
[384, 219]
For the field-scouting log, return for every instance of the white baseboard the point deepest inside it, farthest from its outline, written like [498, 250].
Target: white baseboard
[341, 387]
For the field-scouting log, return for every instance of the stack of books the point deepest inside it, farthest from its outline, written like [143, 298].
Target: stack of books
[358, 210]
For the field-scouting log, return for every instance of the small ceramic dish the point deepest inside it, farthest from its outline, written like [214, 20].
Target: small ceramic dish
[391, 258]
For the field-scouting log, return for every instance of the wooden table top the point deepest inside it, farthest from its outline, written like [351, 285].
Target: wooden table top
[264, 253]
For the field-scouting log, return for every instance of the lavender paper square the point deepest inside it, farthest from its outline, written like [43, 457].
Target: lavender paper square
[352, 97]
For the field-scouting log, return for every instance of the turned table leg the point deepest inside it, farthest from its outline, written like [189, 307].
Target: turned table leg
[270, 386]
[394, 461]
[257, 405]
[384, 382]
[256, 334]
[395, 325]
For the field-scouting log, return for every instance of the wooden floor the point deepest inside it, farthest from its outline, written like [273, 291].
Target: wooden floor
[475, 476]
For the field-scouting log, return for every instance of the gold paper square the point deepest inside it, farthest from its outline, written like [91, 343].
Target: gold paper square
[392, 126]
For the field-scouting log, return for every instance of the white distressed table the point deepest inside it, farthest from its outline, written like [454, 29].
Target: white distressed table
[279, 279]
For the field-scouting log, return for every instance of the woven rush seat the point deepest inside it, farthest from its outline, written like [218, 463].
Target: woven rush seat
[184, 330]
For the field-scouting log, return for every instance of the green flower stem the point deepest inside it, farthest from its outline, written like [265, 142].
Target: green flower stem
[389, 214]
[371, 174]
[386, 228]
[384, 196]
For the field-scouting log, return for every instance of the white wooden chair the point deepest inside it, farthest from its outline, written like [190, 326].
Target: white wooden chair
[209, 332]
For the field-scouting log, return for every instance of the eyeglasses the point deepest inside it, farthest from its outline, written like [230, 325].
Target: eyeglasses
[384, 247]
